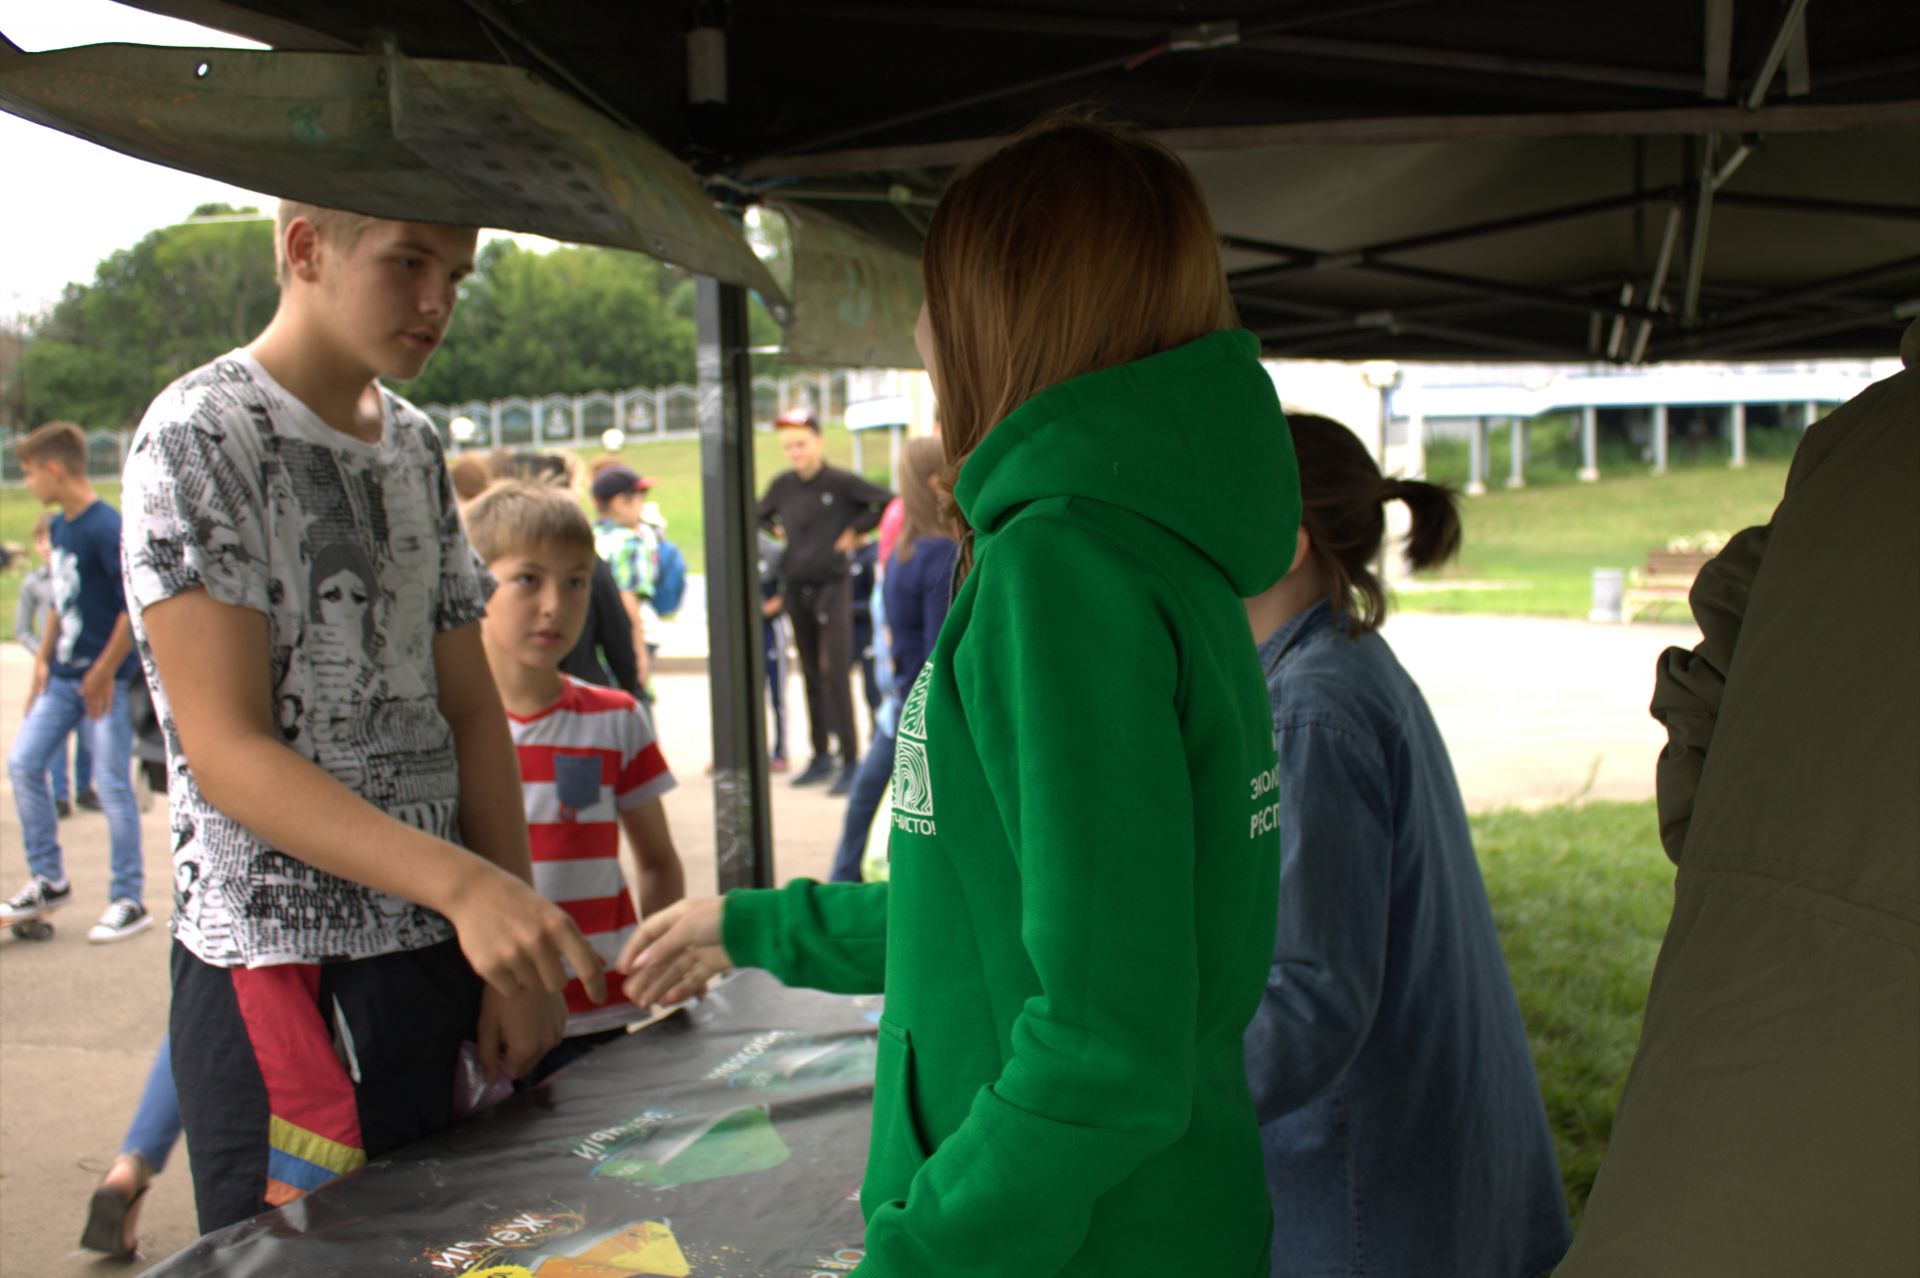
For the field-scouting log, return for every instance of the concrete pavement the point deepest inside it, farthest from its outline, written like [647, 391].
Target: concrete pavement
[1535, 712]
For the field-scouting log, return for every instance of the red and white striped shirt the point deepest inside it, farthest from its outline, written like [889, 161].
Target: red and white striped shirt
[584, 760]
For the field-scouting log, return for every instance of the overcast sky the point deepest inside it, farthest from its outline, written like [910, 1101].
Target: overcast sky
[68, 203]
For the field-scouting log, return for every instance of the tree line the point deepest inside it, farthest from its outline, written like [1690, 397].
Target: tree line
[566, 321]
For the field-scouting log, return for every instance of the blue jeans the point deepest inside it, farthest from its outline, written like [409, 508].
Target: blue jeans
[156, 1124]
[55, 713]
[869, 783]
[82, 769]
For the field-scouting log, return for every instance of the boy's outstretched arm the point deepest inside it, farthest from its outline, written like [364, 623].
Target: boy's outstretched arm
[515, 1031]
[212, 659]
[662, 879]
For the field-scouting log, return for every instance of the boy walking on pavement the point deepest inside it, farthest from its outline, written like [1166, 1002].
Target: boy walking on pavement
[821, 510]
[350, 861]
[30, 611]
[589, 765]
[80, 678]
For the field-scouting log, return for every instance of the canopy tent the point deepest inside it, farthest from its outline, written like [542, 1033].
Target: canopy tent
[1436, 179]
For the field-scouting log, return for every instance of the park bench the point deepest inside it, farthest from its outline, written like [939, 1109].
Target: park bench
[1667, 578]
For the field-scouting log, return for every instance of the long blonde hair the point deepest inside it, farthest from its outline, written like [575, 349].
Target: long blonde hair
[920, 461]
[1077, 246]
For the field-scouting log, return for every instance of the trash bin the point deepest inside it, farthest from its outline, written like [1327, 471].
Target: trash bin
[1608, 584]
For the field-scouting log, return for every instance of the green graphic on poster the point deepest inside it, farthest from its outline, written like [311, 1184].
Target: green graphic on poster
[705, 1147]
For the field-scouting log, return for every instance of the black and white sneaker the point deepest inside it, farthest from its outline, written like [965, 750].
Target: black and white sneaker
[39, 896]
[123, 918]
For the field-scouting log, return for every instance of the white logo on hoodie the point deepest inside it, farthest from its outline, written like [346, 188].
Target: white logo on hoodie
[912, 779]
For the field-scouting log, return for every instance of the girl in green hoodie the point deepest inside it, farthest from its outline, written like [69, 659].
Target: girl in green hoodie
[1084, 849]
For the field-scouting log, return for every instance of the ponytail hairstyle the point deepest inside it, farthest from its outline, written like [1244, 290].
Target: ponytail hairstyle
[1344, 494]
[1077, 246]
[920, 461]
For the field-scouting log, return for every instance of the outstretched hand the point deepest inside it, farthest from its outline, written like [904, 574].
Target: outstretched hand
[674, 953]
[516, 939]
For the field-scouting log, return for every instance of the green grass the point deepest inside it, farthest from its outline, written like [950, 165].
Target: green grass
[1544, 541]
[674, 462]
[1581, 896]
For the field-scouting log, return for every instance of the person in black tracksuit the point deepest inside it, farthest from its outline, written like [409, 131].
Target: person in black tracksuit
[821, 511]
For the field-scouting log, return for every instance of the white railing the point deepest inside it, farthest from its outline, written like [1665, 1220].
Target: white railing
[639, 413]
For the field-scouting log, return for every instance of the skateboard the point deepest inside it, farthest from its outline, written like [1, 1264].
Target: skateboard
[35, 927]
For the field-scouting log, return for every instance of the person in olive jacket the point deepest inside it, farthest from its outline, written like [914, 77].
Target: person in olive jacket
[1084, 853]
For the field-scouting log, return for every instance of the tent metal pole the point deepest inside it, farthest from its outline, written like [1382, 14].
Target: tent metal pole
[1893, 315]
[793, 162]
[1669, 241]
[742, 816]
[1838, 208]
[1520, 222]
[1816, 291]
[1697, 239]
[1718, 42]
[1789, 23]
[1477, 63]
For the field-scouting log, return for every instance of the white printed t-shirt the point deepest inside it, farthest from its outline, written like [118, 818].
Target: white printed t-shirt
[355, 555]
[584, 760]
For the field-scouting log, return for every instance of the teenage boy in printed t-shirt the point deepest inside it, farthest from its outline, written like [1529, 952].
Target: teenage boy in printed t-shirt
[589, 765]
[350, 864]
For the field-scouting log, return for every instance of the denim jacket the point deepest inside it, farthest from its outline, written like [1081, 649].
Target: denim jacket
[1401, 1120]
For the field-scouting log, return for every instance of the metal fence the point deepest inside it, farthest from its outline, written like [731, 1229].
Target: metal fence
[639, 413]
[560, 421]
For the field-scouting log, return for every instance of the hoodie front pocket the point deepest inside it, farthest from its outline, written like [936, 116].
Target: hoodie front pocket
[897, 1151]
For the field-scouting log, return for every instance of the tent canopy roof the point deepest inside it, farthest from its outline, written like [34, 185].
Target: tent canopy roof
[1399, 178]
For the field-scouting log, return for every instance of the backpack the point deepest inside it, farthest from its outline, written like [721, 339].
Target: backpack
[670, 582]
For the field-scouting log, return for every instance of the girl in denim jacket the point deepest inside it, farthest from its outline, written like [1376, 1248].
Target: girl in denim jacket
[1401, 1121]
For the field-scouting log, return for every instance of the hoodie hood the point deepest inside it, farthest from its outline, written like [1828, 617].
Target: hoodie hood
[1192, 439]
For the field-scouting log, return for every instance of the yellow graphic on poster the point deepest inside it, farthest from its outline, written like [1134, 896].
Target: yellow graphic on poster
[644, 1250]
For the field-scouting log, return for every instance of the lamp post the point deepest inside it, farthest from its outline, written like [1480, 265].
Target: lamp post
[1383, 375]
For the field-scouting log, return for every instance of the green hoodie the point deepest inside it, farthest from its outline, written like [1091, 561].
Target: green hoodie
[1084, 855]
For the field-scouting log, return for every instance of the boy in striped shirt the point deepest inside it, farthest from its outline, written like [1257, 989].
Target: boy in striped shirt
[589, 765]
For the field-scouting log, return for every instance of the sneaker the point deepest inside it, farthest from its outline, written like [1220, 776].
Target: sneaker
[88, 799]
[843, 784]
[778, 763]
[819, 770]
[64, 808]
[39, 896]
[123, 919]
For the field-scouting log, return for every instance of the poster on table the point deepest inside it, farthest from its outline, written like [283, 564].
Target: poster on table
[724, 1142]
